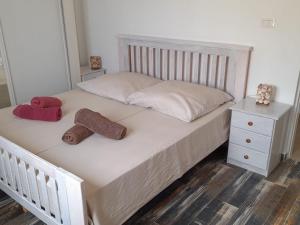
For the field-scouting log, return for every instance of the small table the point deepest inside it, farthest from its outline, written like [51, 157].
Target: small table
[86, 73]
[257, 135]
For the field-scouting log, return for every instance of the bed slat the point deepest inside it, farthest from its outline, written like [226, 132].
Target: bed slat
[131, 58]
[11, 171]
[10, 179]
[165, 64]
[138, 59]
[230, 75]
[171, 65]
[151, 61]
[205, 60]
[157, 63]
[179, 65]
[212, 74]
[34, 186]
[222, 76]
[54, 199]
[144, 60]
[26, 189]
[44, 192]
[3, 170]
[187, 66]
[17, 175]
[195, 68]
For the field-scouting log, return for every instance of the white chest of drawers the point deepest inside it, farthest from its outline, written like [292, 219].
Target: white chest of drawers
[257, 135]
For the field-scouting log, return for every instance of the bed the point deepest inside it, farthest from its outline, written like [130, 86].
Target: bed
[105, 181]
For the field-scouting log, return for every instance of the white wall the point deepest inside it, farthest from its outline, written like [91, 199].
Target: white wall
[276, 59]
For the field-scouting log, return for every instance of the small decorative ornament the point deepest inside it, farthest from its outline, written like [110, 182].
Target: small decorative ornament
[264, 94]
[96, 62]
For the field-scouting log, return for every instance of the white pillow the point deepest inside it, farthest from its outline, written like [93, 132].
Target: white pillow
[118, 86]
[179, 99]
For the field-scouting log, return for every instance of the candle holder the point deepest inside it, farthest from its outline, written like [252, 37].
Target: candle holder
[95, 62]
[264, 94]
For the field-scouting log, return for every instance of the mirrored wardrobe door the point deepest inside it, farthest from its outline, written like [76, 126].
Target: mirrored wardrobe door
[4, 94]
[35, 43]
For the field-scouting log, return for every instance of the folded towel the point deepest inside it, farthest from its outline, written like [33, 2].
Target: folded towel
[99, 124]
[35, 113]
[76, 134]
[46, 102]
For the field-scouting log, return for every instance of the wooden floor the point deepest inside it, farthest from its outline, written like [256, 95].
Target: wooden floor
[211, 193]
[12, 213]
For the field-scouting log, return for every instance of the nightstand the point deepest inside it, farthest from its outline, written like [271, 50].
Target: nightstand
[257, 135]
[86, 73]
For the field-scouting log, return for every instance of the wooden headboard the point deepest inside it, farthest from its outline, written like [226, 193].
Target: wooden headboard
[222, 66]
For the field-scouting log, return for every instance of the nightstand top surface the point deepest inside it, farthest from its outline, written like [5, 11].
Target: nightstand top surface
[274, 111]
[84, 70]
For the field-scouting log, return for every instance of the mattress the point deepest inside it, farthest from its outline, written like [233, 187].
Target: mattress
[121, 176]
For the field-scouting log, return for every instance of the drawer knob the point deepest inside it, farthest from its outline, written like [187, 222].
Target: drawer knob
[248, 140]
[250, 123]
[246, 157]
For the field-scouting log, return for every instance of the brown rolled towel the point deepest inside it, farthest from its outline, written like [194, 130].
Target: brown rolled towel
[76, 134]
[97, 123]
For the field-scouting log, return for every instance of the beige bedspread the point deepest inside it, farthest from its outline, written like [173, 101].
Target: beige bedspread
[121, 176]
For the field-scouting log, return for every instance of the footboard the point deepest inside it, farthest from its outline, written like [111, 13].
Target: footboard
[52, 194]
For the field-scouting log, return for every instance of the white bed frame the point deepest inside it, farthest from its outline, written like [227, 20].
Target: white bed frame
[52, 194]
[56, 196]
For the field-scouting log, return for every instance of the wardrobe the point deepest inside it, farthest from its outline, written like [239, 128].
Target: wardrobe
[40, 43]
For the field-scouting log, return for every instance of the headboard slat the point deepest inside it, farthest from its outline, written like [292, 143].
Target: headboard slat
[172, 64]
[222, 66]
[205, 62]
[144, 61]
[195, 67]
[222, 72]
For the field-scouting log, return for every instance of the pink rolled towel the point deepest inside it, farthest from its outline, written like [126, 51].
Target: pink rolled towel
[46, 102]
[35, 113]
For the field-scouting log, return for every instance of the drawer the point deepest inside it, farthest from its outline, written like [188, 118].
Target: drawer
[252, 123]
[247, 156]
[250, 139]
